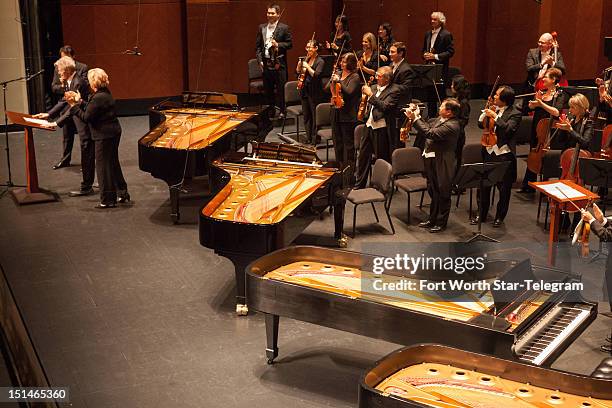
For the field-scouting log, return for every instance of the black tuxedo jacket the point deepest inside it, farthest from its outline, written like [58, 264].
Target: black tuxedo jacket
[99, 113]
[61, 110]
[439, 137]
[443, 46]
[56, 84]
[506, 127]
[402, 79]
[385, 104]
[532, 63]
[281, 35]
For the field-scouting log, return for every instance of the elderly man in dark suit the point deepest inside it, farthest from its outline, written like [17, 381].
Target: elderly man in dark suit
[72, 81]
[441, 135]
[58, 87]
[382, 101]
[541, 58]
[273, 41]
[506, 120]
[602, 227]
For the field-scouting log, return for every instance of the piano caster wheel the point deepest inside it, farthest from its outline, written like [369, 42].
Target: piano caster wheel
[242, 310]
[343, 241]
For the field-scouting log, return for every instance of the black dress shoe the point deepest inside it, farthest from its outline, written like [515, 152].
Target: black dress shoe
[474, 221]
[81, 192]
[426, 224]
[498, 222]
[59, 165]
[124, 198]
[436, 228]
[104, 206]
[526, 191]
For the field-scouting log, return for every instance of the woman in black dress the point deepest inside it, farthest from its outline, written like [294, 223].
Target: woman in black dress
[340, 37]
[385, 40]
[368, 57]
[309, 72]
[99, 113]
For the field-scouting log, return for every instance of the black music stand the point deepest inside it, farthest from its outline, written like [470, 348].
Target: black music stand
[485, 174]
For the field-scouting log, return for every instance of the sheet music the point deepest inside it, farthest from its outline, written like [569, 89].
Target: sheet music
[566, 191]
[40, 122]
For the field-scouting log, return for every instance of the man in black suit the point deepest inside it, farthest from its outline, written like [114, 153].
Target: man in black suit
[506, 119]
[402, 78]
[441, 135]
[541, 58]
[438, 48]
[58, 87]
[71, 81]
[602, 227]
[273, 41]
[382, 102]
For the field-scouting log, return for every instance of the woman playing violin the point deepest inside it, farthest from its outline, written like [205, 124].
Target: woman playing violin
[385, 40]
[340, 36]
[548, 104]
[309, 72]
[368, 56]
[344, 119]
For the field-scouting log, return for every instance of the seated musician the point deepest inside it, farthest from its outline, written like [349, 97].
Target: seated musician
[548, 103]
[441, 136]
[382, 101]
[311, 91]
[602, 227]
[507, 120]
[542, 58]
[368, 57]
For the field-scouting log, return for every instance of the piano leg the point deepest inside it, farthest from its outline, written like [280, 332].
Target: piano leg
[174, 204]
[339, 204]
[271, 337]
[240, 262]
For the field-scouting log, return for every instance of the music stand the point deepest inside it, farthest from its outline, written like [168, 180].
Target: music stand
[485, 174]
[9, 183]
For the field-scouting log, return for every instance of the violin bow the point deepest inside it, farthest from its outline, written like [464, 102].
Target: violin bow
[572, 201]
[336, 63]
[360, 69]
[341, 14]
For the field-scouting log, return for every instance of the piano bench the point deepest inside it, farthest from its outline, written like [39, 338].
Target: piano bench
[604, 369]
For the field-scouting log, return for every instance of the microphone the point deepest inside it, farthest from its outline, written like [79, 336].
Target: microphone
[134, 51]
[28, 77]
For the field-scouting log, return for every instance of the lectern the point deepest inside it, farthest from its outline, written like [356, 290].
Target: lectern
[32, 193]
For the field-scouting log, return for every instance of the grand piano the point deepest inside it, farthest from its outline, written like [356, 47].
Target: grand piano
[185, 137]
[431, 375]
[338, 289]
[264, 200]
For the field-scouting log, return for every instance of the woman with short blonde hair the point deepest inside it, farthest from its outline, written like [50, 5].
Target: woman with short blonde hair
[580, 102]
[97, 78]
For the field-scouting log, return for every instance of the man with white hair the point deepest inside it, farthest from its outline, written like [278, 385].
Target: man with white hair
[541, 58]
[438, 48]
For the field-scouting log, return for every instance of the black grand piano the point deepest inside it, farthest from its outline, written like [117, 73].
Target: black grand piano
[185, 137]
[264, 200]
[337, 289]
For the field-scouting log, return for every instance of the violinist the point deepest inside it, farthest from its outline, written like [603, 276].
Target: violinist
[602, 227]
[341, 38]
[542, 58]
[273, 41]
[382, 101]
[460, 89]
[385, 40]
[507, 120]
[548, 104]
[403, 75]
[344, 119]
[309, 72]
[368, 57]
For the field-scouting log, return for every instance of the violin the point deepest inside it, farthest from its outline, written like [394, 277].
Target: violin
[302, 76]
[407, 125]
[337, 100]
[489, 138]
[364, 103]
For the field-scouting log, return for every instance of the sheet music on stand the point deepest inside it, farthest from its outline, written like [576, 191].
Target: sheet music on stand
[561, 191]
[41, 122]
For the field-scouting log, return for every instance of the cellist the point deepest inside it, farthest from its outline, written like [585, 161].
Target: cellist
[311, 91]
[547, 104]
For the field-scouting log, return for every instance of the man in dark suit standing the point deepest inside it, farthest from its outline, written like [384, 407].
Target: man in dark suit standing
[382, 102]
[441, 135]
[58, 87]
[506, 119]
[438, 48]
[72, 81]
[402, 78]
[273, 41]
[541, 58]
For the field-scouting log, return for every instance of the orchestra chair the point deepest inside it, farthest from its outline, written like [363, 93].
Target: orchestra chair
[380, 191]
[293, 102]
[408, 168]
[472, 153]
[323, 129]
[551, 169]
[255, 76]
[523, 133]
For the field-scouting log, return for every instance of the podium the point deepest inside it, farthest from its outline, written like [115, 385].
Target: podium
[561, 201]
[32, 193]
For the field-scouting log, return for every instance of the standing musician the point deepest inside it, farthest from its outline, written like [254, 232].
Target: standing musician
[368, 60]
[507, 120]
[344, 119]
[403, 75]
[460, 89]
[382, 101]
[309, 71]
[385, 40]
[441, 136]
[548, 103]
[341, 38]
[602, 227]
[273, 41]
[542, 58]
[438, 48]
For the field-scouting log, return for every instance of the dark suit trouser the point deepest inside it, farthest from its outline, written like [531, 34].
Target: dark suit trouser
[309, 107]
[505, 187]
[88, 162]
[373, 141]
[343, 134]
[68, 131]
[274, 86]
[108, 169]
[440, 171]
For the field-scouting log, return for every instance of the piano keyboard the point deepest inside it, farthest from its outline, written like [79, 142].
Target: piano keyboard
[546, 335]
